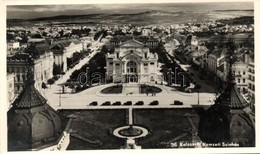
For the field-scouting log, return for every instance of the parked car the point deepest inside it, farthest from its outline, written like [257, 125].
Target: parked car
[176, 102]
[94, 103]
[117, 103]
[128, 103]
[154, 103]
[139, 103]
[106, 103]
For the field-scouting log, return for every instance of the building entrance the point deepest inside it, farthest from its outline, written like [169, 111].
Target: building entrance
[132, 75]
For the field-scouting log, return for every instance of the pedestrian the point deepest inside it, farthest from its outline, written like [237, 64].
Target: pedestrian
[146, 93]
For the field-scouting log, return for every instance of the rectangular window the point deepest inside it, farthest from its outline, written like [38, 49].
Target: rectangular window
[117, 64]
[111, 63]
[244, 72]
[238, 80]
[152, 63]
[145, 64]
[244, 80]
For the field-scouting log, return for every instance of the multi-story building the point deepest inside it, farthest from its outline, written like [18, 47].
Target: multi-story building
[215, 59]
[64, 49]
[133, 62]
[251, 84]
[239, 69]
[38, 57]
[220, 39]
[150, 42]
[243, 39]
[10, 89]
[13, 45]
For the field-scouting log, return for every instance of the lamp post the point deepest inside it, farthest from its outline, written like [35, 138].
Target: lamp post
[198, 88]
[60, 98]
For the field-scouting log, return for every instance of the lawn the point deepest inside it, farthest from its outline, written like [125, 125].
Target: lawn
[149, 89]
[117, 89]
[164, 125]
[96, 125]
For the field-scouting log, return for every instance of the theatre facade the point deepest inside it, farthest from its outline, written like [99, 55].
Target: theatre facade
[132, 62]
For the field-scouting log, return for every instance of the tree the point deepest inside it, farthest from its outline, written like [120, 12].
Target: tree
[57, 69]
[44, 86]
[37, 36]
[51, 81]
[10, 37]
[61, 33]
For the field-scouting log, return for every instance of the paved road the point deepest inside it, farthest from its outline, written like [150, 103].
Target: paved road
[204, 86]
[84, 61]
[82, 99]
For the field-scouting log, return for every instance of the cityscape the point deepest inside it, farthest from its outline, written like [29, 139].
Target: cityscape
[130, 76]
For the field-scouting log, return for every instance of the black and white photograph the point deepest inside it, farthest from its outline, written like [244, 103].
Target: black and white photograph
[129, 75]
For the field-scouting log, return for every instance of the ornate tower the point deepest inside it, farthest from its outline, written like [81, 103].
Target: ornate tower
[230, 119]
[32, 123]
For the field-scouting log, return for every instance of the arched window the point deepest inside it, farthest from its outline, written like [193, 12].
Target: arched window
[131, 67]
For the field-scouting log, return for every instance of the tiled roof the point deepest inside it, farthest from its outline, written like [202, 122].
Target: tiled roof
[143, 39]
[65, 43]
[217, 52]
[231, 98]
[29, 97]
[37, 49]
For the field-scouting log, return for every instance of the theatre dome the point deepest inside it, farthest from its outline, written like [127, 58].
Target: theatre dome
[32, 123]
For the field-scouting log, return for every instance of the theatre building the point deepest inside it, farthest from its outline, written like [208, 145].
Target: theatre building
[132, 61]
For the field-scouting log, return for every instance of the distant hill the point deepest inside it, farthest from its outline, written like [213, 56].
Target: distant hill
[239, 20]
[151, 17]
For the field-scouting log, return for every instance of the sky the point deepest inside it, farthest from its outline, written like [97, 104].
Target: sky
[36, 11]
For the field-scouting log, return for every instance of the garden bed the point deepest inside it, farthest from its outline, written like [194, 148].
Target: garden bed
[116, 89]
[149, 89]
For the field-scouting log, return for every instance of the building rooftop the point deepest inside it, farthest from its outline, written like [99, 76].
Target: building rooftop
[232, 98]
[32, 123]
[20, 57]
[65, 43]
[38, 49]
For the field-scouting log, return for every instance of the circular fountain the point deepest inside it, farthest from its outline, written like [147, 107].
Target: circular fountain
[130, 132]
